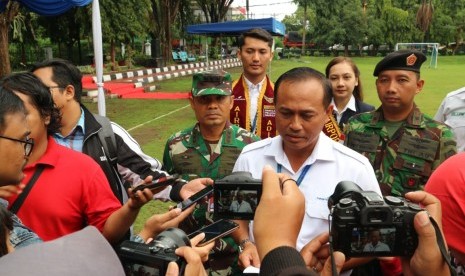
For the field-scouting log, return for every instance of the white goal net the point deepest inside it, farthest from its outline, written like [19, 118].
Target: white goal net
[427, 48]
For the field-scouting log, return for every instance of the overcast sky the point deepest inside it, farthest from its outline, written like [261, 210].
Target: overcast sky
[268, 8]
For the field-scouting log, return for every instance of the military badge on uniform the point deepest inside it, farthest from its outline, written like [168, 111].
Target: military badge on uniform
[411, 60]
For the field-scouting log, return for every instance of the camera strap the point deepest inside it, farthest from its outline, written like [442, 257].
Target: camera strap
[331, 249]
[442, 247]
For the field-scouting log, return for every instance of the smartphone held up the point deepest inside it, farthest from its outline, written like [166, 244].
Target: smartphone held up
[216, 230]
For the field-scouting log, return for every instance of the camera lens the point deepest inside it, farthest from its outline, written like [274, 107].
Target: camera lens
[171, 238]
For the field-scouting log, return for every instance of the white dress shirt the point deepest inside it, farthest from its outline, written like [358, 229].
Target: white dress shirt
[452, 112]
[254, 90]
[330, 162]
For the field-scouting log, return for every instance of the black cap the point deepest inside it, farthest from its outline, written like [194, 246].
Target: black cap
[409, 60]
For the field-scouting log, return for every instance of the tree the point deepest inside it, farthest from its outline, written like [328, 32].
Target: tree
[425, 15]
[396, 26]
[340, 21]
[442, 28]
[391, 22]
[122, 20]
[456, 10]
[292, 22]
[163, 16]
[24, 33]
[214, 10]
[6, 18]
[66, 29]
[304, 4]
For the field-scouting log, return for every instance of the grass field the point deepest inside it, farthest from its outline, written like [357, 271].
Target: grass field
[151, 122]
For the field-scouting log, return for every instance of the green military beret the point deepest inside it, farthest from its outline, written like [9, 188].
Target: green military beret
[409, 60]
[214, 82]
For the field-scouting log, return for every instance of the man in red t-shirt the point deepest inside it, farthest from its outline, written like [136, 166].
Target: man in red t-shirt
[71, 190]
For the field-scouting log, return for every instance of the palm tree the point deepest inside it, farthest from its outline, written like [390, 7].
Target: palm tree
[425, 15]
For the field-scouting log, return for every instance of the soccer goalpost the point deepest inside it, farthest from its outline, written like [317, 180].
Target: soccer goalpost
[425, 47]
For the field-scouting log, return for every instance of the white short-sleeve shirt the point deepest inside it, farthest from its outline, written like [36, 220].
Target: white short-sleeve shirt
[350, 105]
[330, 162]
[452, 112]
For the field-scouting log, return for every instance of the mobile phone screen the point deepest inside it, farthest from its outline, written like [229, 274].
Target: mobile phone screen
[196, 197]
[158, 183]
[214, 231]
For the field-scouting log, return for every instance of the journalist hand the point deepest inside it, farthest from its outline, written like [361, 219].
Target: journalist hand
[194, 265]
[249, 256]
[139, 198]
[279, 214]
[427, 259]
[9, 190]
[316, 255]
[194, 186]
[203, 251]
[194, 257]
[160, 222]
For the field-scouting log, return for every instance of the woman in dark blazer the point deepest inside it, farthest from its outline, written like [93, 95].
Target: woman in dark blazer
[347, 89]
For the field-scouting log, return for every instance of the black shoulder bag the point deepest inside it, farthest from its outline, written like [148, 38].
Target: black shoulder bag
[20, 200]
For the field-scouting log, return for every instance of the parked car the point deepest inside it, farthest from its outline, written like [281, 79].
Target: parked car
[338, 47]
[382, 47]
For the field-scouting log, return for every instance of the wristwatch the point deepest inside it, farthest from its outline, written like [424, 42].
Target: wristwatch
[242, 244]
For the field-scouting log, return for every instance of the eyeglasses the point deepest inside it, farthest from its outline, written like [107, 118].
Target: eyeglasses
[28, 144]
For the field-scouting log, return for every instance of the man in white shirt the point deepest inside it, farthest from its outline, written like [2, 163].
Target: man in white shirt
[314, 161]
[452, 112]
[375, 245]
[240, 205]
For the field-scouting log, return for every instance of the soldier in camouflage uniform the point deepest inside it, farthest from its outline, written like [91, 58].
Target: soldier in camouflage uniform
[209, 149]
[404, 145]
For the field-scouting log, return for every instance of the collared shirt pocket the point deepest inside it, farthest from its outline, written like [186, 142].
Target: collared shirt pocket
[316, 206]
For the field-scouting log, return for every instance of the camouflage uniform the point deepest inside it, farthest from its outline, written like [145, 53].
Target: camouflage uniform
[187, 153]
[405, 161]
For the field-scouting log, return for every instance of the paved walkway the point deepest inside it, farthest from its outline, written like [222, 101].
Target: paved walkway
[141, 84]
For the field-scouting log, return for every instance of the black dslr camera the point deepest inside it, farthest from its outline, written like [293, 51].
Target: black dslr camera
[363, 224]
[155, 256]
[236, 196]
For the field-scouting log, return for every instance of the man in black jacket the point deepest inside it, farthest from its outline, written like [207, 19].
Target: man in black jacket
[80, 131]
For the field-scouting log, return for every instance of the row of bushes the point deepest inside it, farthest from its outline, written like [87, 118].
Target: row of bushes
[297, 52]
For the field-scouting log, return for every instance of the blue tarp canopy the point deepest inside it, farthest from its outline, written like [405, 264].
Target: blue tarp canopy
[48, 7]
[57, 7]
[235, 28]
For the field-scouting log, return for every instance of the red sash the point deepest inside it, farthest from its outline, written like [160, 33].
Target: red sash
[331, 129]
[266, 124]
